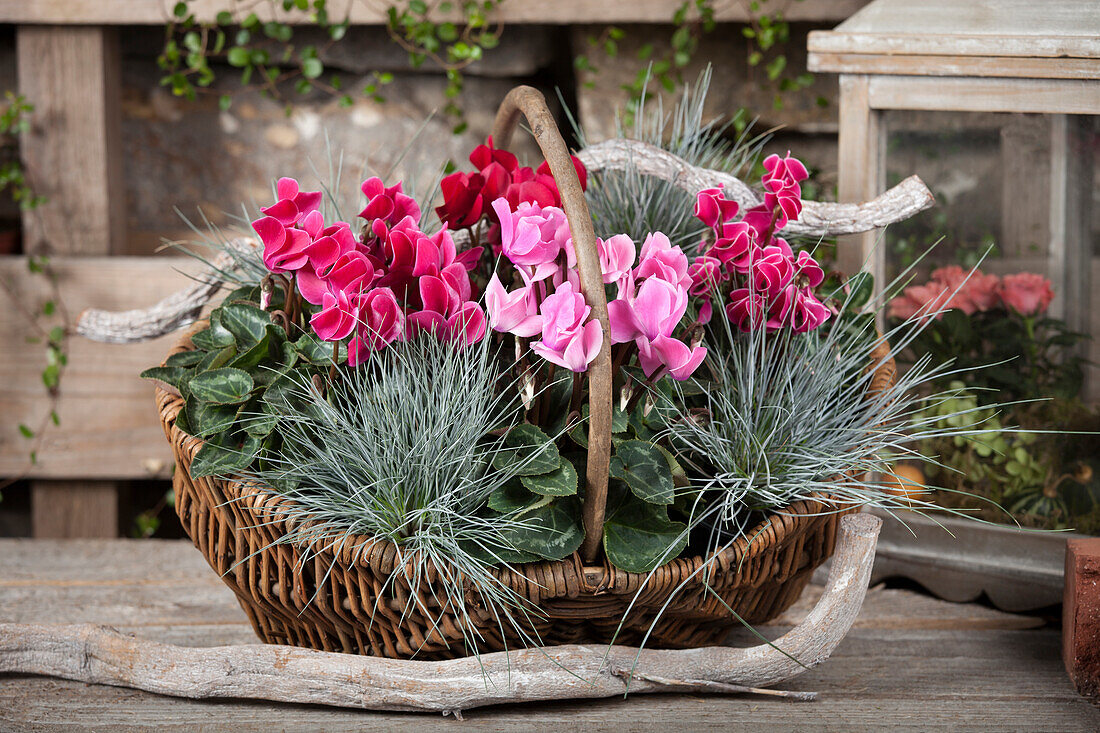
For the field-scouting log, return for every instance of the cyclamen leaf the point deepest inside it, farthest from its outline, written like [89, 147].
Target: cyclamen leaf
[553, 531]
[247, 323]
[216, 460]
[528, 452]
[225, 386]
[184, 359]
[561, 482]
[170, 375]
[639, 537]
[512, 497]
[645, 470]
[216, 359]
[205, 419]
[319, 352]
[215, 336]
[253, 356]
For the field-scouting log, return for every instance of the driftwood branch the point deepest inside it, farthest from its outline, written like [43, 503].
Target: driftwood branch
[170, 314]
[101, 655]
[818, 219]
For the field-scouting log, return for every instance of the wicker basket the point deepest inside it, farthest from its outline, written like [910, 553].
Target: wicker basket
[338, 598]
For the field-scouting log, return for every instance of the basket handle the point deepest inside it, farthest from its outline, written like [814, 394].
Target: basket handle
[531, 104]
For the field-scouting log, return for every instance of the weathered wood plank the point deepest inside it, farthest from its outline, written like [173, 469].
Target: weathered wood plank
[74, 508]
[1026, 67]
[910, 663]
[109, 427]
[862, 176]
[974, 94]
[1053, 28]
[72, 150]
[156, 12]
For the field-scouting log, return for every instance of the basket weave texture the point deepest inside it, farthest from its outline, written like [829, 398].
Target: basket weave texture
[344, 596]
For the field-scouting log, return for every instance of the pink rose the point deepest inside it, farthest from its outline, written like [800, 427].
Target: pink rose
[1026, 293]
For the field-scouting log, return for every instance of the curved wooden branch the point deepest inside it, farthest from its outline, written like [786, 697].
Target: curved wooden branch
[98, 654]
[818, 219]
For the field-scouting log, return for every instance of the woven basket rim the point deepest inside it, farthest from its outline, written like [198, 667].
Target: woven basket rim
[350, 550]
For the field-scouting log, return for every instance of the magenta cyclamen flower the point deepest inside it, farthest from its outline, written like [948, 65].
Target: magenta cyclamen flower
[705, 273]
[567, 340]
[337, 317]
[797, 308]
[746, 309]
[284, 248]
[515, 312]
[772, 270]
[381, 323]
[292, 204]
[386, 206]
[713, 209]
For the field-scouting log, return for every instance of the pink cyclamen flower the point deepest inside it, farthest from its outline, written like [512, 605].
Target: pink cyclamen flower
[382, 320]
[284, 248]
[713, 209]
[514, 312]
[616, 257]
[746, 309]
[706, 273]
[798, 309]
[567, 340]
[772, 271]
[661, 260]
[389, 205]
[648, 319]
[336, 319]
[532, 236]
[292, 204]
[1026, 293]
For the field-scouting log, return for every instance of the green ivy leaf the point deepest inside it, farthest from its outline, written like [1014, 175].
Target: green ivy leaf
[225, 386]
[240, 56]
[561, 482]
[639, 537]
[645, 470]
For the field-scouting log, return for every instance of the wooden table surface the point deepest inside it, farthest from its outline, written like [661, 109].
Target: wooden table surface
[910, 663]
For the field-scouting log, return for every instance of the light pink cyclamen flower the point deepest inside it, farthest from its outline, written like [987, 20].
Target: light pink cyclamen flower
[649, 318]
[566, 339]
[616, 257]
[533, 237]
[1026, 293]
[515, 312]
[661, 260]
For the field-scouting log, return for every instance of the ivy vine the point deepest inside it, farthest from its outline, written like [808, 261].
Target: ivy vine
[271, 60]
